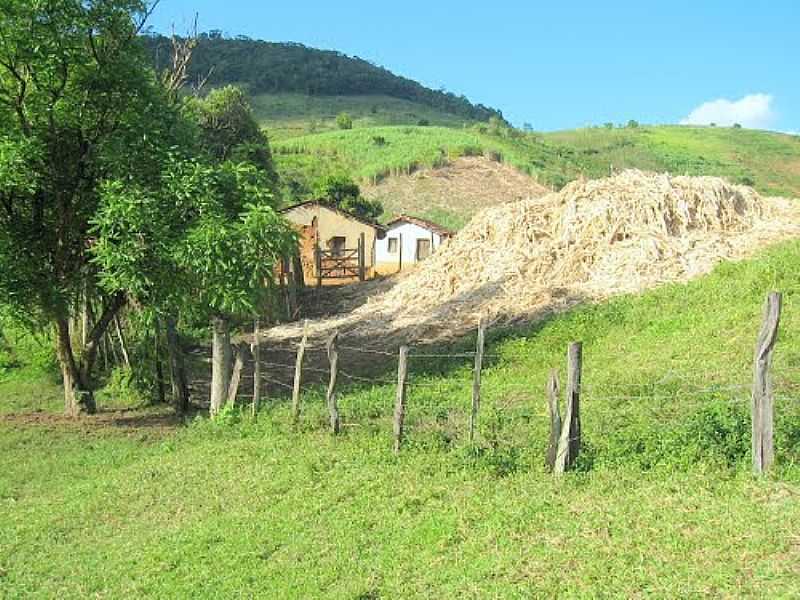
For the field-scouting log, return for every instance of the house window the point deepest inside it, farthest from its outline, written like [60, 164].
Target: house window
[336, 245]
[392, 245]
[423, 249]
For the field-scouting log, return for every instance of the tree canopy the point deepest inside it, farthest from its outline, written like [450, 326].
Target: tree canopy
[340, 191]
[113, 189]
[266, 67]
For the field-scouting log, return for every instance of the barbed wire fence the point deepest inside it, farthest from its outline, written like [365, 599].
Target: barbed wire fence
[404, 399]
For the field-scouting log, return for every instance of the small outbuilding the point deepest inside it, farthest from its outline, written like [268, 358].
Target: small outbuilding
[334, 244]
[408, 240]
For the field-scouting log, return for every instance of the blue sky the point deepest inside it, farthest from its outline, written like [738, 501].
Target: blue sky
[555, 65]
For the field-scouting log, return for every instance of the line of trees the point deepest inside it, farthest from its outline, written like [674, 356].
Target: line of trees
[267, 67]
[120, 193]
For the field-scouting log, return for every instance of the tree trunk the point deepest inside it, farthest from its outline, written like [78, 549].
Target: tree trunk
[122, 345]
[180, 383]
[220, 362]
[160, 393]
[78, 397]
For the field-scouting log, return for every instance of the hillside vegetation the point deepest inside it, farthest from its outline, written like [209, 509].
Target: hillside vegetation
[662, 503]
[289, 115]
[770, 162]
[278, 68]
[384, 158]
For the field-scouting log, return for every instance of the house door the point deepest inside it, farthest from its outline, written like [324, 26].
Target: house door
[423, 249]
[337, 245]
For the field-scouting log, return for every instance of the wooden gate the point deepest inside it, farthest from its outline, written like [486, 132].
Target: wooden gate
[340, 263]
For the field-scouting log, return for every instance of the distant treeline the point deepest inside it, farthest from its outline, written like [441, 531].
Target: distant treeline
[267, 67]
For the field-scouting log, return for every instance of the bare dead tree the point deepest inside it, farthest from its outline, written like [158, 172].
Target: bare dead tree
[176, 75]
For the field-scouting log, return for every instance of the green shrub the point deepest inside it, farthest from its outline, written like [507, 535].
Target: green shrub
[121, 389]
[344, 121]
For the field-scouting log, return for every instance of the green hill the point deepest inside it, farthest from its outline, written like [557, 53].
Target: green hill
[290, 68]
[663, 503]
[288, 115]
[768, 161]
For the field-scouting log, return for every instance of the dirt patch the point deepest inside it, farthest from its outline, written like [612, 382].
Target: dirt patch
[462, 188]
[139, 422]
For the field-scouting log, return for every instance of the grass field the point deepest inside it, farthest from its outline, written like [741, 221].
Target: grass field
[289, 115]
[662, 504]
[770, 162]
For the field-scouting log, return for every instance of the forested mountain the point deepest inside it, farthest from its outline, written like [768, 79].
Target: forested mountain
[268, 67]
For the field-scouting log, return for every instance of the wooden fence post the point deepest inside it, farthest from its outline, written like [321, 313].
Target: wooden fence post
[399, 252]
[256, 366]
[298, 375]
[400, 401]
[333, 359]
[318, 264]
[236, 376]
[362, 259]
[291, 287]
[569, 444]
[555, 418]
[762, 400]
[476, 380]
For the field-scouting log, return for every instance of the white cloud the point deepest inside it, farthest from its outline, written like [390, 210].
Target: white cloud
[754, 111]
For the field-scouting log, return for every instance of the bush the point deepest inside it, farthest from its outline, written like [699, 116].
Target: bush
[344, 121]
[423, 122]
[737, 126]
[633, 124]
[122, 388]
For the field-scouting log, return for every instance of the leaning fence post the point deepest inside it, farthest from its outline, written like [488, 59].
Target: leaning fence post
[555, 418]
[233, 386]
[298, 375]
[569, 444]
[333, 358]
[762, 400]
[400, 401]
[476, 379]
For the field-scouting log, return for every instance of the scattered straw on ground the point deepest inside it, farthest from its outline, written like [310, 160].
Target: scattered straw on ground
[593, 239]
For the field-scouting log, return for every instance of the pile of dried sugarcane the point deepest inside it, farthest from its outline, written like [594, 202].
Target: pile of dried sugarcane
[592, 239]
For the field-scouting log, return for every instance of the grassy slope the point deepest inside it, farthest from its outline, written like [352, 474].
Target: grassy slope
[769, 161]
[663, 506]
[289, 115]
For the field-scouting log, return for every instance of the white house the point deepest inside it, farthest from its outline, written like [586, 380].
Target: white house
[408, 240]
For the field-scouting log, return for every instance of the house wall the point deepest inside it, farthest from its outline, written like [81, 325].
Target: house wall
[387, 262]
[320, 221]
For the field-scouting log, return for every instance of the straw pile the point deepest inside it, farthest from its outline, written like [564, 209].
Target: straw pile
[594, 238]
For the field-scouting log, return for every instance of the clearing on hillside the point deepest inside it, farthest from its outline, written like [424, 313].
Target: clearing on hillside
[453, 193]
[595, 238]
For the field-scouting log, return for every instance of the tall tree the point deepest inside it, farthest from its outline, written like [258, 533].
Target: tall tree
[204, 243]
[78, 107]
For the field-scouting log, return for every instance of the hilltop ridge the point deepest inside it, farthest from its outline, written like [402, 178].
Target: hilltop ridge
[286, 67]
